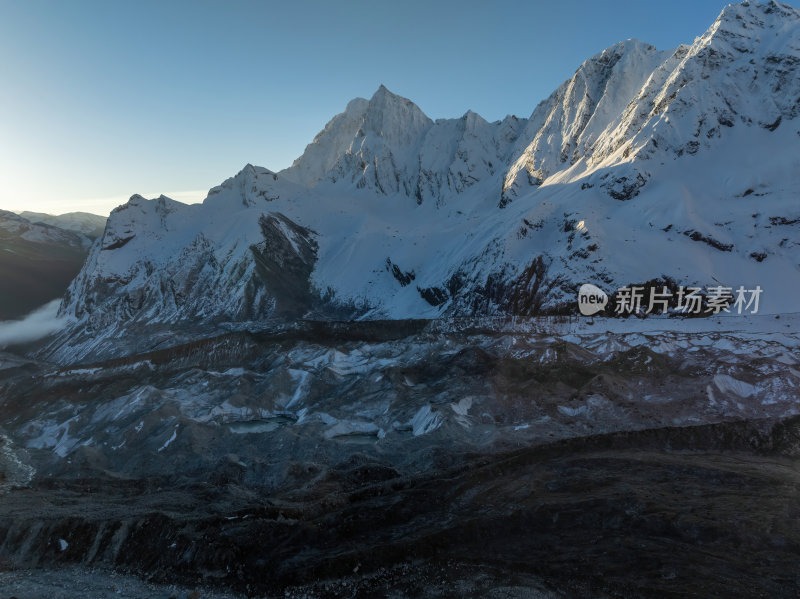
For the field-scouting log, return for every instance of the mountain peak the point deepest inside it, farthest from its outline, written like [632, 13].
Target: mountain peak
[630, 44]
[252, 171]
[135, 200]
[386, 109]
[11, 215]
[740, 20]
[160, 205]
[370, 128]
[758, 9]
[615, 52]
[251, 186]
[383, 94]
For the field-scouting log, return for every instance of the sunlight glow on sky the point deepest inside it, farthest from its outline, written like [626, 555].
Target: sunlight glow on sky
[101, 100]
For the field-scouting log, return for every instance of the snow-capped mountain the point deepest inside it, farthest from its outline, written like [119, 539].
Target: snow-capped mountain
[565, 128]
[387, 145]
[645, 164]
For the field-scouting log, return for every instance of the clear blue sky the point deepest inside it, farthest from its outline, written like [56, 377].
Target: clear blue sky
[100, 100]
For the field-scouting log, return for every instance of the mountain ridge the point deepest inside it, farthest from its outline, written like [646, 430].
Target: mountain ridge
[619, 177]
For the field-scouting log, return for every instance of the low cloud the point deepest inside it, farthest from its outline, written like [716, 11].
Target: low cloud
[40, 323]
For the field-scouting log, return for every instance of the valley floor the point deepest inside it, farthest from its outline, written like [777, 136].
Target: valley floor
[411, 460]
[671, 512]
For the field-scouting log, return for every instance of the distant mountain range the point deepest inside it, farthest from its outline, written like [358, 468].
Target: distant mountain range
[671, 165]
[40, 254]
[90, 226]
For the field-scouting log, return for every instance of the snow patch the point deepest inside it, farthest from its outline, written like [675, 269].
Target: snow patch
[728, 384]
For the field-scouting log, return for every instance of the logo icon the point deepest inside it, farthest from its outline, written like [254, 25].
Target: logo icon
[591, 299]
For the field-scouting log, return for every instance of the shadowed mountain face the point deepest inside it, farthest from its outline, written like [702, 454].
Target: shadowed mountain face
[37, 263]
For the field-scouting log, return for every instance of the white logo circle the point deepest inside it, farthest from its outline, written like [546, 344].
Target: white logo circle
[591, 299]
